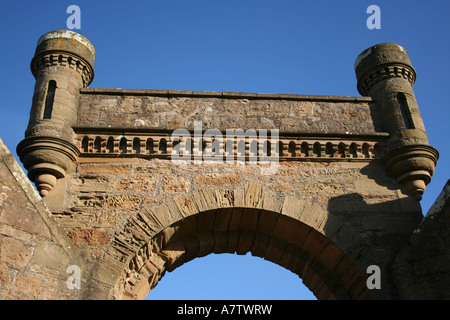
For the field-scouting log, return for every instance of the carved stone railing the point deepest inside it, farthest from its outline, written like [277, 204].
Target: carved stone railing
[311, 147]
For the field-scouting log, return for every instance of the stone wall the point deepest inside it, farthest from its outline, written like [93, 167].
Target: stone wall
[422, 267]
[335, 163]
[104, 194]
[34, 253]
[36, 246]
[170, 110]
[341, 172]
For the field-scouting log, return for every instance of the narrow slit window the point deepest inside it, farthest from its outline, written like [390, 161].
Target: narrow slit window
[49, 98]
[404, 109]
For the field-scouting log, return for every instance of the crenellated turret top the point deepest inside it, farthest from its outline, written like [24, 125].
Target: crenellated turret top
[65, 48]
[382, 61]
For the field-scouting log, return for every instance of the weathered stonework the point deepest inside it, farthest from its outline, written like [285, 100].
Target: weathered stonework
[119, 206]
[34, 251]
[421, 268]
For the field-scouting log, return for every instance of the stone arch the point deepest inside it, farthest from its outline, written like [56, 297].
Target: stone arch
[294, 233]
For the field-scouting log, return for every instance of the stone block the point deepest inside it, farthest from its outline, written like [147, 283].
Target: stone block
[167, 214]
[267, 222]
[205, 199]
[246, 240]
[254, 195]
[6, 277]
[176, 185]
[105, 169]
[192, 246]
[89, 237]
[249, 219]
[217, 179]
[92, 184]
[186, 205]
[206, 221]
[148, 219]
[127, 202]
[292, 207]
[370, 187]
[221, 241]
[22, 215]
[223, 219]
[29, 284]
[171, 234]
[14, 252]
[51, 256]
[105, 276]
[260, 244]
[206, 242]
[15, 233]
[320, 188]
[270, 203]
[225, 198]
[174, 255]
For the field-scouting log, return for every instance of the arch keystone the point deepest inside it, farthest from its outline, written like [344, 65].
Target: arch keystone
[225, 198]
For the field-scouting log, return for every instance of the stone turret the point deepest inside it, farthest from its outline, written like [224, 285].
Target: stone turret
[63, 64]
[385, 73]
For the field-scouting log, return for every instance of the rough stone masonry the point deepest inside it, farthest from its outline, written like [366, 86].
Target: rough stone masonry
[345, 193]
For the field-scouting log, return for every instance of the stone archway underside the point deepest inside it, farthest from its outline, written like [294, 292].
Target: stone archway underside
[296, 234]
[323, 267]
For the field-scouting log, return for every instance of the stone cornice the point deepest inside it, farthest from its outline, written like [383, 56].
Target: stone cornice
[223, 94]
[64, 59]
[386, 71]
[46, 159]
[39, 143]
[413, 166]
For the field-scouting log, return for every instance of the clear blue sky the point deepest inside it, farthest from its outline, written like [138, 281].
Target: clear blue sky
[277, 46]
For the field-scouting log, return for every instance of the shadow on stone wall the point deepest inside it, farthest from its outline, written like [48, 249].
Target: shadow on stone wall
[383, 227]
[421, 269]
